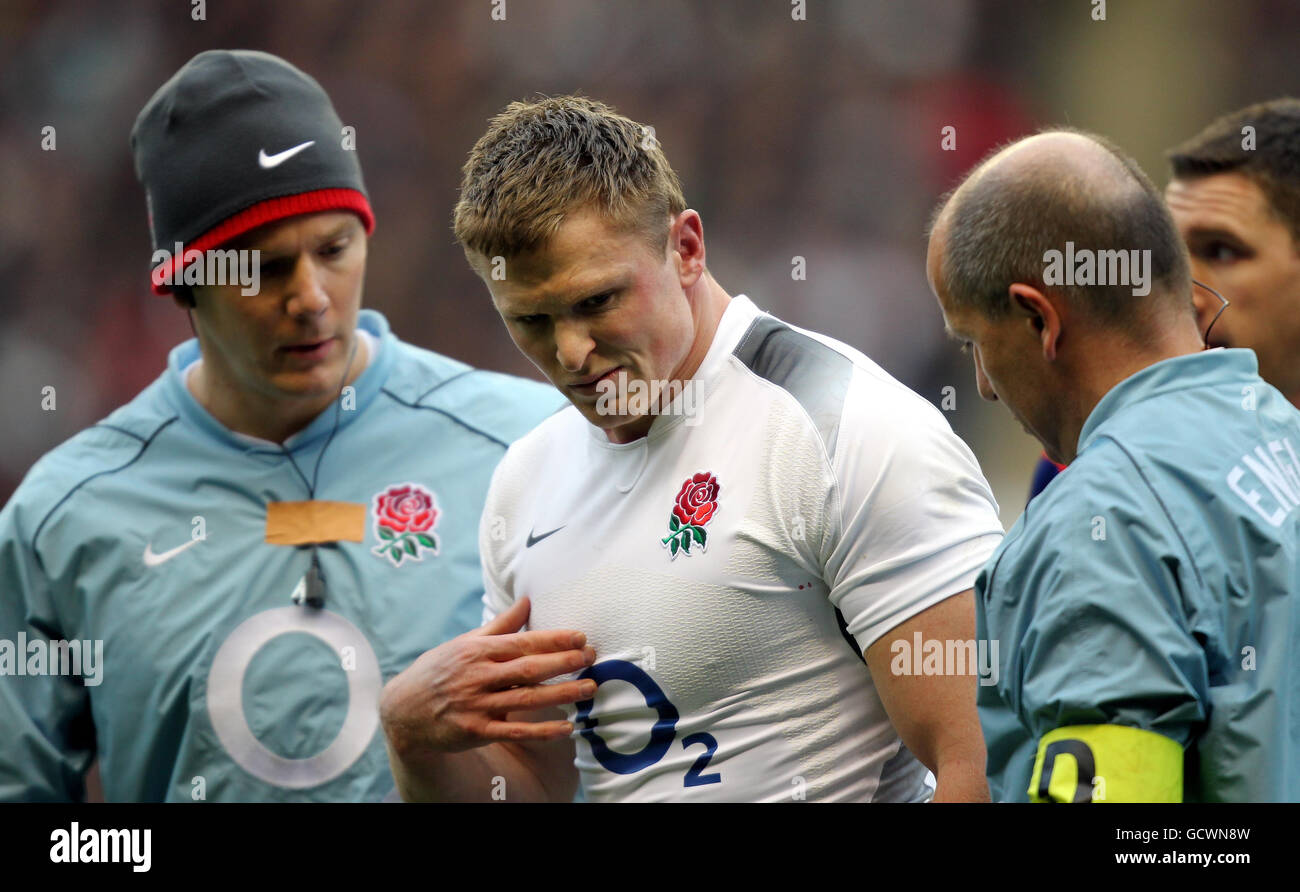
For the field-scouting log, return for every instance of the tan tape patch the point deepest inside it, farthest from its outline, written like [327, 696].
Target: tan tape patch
[314, 523]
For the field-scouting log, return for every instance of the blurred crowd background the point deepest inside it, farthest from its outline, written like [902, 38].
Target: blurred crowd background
[818, 139]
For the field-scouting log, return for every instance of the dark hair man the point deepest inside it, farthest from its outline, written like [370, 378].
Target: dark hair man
[1235, 197]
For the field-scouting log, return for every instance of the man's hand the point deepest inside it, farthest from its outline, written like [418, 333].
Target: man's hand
[459, 695]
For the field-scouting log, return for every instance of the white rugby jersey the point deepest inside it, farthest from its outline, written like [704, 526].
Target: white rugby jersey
[720, 564]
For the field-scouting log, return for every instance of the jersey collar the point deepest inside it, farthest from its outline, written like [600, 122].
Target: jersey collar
[735, 321]
[1215, 367]
[367, 385]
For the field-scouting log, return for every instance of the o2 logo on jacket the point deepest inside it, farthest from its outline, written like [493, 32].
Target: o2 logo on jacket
[405, 516]
[225, 697]
[661, 735]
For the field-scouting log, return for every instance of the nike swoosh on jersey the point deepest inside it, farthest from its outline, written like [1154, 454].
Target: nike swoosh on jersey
[533, 540]
[152, 559]
[266, 162]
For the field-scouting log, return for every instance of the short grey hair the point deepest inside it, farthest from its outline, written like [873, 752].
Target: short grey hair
[1001, 225]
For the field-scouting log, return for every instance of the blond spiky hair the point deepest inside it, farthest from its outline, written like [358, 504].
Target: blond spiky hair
[541, 160]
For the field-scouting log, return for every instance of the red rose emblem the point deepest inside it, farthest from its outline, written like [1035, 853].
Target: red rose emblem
[404, 519]
[696, 504]
[406, 509]
[697, 500]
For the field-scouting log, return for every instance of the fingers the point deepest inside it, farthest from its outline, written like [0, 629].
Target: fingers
[516, 731]
[482, 677]
[522, 644]
[538, 668]
[503, 640]
[541, 696]
[511, 621]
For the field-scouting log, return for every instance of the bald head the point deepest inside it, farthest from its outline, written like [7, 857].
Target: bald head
[1046, 159]
[1035, 196]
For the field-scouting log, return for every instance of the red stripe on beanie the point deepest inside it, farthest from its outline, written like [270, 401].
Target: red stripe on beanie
[260, 214]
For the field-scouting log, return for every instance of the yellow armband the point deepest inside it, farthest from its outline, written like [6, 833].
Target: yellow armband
[1106, 763]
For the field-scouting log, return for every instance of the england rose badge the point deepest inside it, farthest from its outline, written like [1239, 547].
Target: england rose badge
[697, 502]
[404, 520]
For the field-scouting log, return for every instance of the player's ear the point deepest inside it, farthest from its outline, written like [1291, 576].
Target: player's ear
[1040, 314]
[686, 243]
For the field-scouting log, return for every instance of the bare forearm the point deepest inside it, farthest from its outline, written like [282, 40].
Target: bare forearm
[962, 780]
[955, 753]
[935, 715]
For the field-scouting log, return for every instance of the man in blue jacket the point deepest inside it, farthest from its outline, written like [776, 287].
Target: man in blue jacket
[1235, 195]
[1146, 602]
[208, 589]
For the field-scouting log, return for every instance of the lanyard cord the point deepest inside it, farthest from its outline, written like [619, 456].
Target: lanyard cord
[315, 580]
[338, 412]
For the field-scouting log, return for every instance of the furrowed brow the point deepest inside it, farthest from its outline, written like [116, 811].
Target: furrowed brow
[1212, 232]
[596, 289]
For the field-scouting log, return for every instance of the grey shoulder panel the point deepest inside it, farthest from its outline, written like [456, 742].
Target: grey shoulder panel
[814, 374]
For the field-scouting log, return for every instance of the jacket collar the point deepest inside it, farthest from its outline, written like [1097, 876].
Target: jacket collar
[1206, 368]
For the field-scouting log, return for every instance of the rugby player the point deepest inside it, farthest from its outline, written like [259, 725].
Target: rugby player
[1146, 602]
[716, 576]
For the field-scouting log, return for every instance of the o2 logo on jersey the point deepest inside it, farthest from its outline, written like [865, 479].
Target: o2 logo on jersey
[661, 735]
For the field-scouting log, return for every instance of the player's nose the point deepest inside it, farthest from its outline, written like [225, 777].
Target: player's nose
[572, 345]
[982, 382]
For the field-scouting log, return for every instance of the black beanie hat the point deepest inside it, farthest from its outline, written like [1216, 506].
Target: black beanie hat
[234, 140]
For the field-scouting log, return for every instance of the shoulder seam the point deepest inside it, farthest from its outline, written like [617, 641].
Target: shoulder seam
[469, 427]
[443, 383]
[120, 430]
[144, 445]
[787, 395]
[774, 327]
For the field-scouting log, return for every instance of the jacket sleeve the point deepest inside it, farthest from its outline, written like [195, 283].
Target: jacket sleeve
[47, 739]
[1091, 618]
